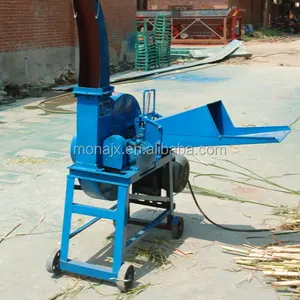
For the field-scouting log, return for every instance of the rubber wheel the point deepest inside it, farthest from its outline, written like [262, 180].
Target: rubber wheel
[125, 278]
[52, 264]
[177, 227]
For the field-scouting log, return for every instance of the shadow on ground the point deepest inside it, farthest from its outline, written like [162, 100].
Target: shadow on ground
[156, 249]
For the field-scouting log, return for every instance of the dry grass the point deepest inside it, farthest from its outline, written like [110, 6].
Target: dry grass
[292, 222]
[155, 256]
[133, 292]
[69, 292]
[28, 161]
[233, 173]
[270, 35]
[77, 286]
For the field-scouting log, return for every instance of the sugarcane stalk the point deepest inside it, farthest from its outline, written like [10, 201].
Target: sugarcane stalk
[290, 262]
[287, 256]
[292, 246]
[262, 257]
[284, 250]
[245, 262]
[249, 246]
[279, 262]
[236, 250]
[286, 283]
[292, 221]
[250, 268]
[283, 267]
[254, 258]
[282, 274]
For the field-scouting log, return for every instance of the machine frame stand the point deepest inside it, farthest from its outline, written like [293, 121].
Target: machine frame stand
[119, 213]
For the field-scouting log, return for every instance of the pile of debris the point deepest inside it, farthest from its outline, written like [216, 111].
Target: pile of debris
[292, 222]
[10, 92]
[121, 67]
[2, 91]
[65, 76]
[282, 263]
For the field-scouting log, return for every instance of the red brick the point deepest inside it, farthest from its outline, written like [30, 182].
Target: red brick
[203, 4]
[26, 24]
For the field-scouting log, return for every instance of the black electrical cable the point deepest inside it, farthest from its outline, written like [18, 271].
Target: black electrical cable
[220, 226]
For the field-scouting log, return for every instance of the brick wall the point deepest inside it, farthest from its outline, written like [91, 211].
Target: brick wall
[164, 4]
[120, 17]
[27, 24]
[252, 10]
[45, 31]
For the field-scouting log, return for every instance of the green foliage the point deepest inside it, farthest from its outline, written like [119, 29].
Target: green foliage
[263, 34]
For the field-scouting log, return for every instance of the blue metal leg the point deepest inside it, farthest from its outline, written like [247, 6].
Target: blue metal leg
[171, 194]
[67, 219]
[121, 228]
[119, 213]
[90, 223]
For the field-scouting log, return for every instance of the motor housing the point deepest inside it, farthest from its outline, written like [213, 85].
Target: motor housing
[159, 180]
[181, 172]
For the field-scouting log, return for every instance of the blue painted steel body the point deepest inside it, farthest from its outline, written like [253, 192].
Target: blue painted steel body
[151, 95]
[90, 270]
[104, 50]
[88, 145]
[94, 123]
[210, 125]
[125, 110]
[114, 152]
[115, 120]
[118, 212]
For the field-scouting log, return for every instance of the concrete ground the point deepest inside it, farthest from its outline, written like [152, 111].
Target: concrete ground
[35, 153]
[283, 53]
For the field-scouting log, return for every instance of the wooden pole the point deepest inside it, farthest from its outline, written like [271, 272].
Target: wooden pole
[266, 14]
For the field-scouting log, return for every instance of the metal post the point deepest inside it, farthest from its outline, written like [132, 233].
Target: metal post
[121, 228]
[171, 186]
[26, 58]
[233, 27]
[225, 29]
[65, 239]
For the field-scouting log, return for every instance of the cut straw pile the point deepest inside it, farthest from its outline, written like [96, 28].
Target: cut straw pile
[292, 222]
[282, 263]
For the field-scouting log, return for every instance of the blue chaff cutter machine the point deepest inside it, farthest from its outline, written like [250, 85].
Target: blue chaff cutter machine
[124, 154]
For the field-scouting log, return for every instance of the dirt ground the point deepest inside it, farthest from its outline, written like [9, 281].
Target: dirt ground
[285, 52]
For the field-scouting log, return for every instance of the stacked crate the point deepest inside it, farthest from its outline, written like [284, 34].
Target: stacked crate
[145, 49]
[163, 35]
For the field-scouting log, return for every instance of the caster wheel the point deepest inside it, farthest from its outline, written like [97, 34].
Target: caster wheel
[125, 278]
[52, 264]
[177, 227]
